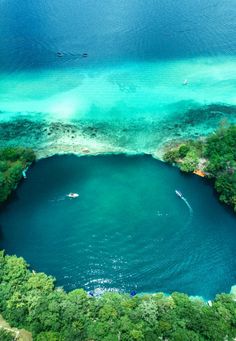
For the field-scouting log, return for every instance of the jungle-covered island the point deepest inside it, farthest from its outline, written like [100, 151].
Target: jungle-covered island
[213, 157]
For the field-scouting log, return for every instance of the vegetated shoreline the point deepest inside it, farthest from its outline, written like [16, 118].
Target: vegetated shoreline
[213, 157]
[106, 316]
[13, 164]
[194, 156]
[31, 301]
[197, 156]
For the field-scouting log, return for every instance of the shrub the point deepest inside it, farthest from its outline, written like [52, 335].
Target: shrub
[171, 156]
[12, 163]
[183, 150]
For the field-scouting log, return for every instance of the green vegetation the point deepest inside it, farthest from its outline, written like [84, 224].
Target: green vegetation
[216, 156]
[12, 163]
[6, 336]
[30, 300]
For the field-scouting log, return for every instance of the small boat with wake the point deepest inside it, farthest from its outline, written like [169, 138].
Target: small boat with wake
[72, 195]
[179, 194]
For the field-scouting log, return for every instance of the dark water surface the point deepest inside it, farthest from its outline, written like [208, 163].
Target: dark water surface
[127, 230]
[138, 55]
[32, 32]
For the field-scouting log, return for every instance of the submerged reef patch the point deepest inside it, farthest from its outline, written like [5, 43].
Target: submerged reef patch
[141, 135]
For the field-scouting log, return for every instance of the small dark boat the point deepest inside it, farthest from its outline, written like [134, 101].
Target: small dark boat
[84, 55]
[60, 54]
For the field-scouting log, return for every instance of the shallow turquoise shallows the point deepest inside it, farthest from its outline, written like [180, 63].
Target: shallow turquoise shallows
[127, 230]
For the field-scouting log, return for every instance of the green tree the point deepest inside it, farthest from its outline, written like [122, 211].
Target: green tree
[183, 150]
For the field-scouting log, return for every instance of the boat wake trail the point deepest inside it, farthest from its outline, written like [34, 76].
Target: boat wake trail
[58, 199]
[180, 195]
[190, 212]
[187, 203]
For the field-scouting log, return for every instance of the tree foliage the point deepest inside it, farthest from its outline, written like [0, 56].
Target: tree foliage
[12, 162]
[219, 149]
[30, 300]
[6, 335]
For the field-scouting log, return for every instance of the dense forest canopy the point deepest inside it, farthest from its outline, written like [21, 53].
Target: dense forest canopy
[12, 162]
[30, 300]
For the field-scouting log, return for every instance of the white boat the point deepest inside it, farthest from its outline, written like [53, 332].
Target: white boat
[185, 82]
[179, 193]
[72, 195]
[24, 172]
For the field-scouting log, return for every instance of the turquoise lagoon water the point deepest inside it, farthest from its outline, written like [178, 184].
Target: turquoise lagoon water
[129, 91]
[127, 230]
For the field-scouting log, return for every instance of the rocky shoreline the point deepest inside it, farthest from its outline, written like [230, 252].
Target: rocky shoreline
[87, 138]
[140, 136]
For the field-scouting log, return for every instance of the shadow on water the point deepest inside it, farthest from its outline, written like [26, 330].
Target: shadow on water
[1, 233]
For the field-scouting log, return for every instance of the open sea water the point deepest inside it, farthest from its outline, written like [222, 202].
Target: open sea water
[109, 60]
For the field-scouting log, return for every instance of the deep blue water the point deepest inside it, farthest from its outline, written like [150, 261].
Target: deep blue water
[127, 230]
[139, 54]
[31, 32]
